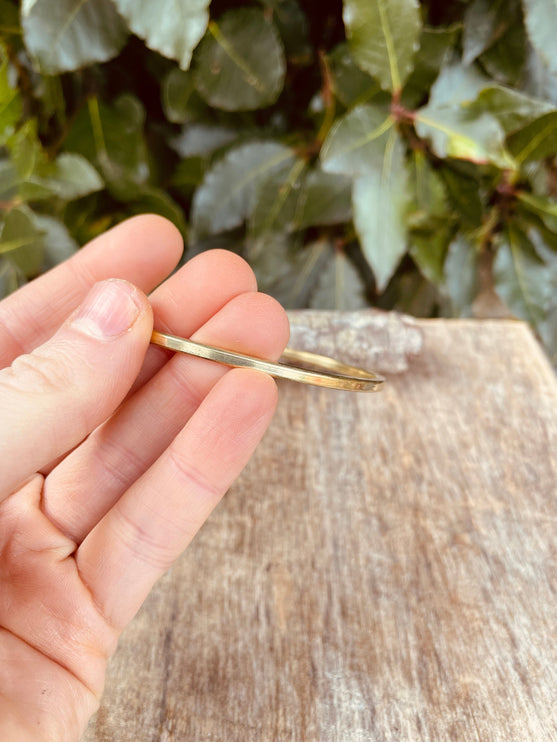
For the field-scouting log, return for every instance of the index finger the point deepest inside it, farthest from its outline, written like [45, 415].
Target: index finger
[143, 250]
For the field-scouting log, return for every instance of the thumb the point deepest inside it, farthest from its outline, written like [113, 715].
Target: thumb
[53, 397]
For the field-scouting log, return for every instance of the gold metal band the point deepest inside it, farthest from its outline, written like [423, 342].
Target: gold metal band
[330, 373]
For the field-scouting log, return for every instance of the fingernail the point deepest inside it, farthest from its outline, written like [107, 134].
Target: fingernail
[110, 308]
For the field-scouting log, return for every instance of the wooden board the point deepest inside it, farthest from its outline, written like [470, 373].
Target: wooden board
[385, 569]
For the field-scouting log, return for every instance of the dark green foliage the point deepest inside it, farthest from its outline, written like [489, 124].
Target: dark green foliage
[392, 152]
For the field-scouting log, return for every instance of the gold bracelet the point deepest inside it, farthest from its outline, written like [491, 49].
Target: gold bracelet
[332, 374]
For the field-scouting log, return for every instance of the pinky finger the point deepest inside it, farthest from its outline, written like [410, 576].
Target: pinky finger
[154, 521]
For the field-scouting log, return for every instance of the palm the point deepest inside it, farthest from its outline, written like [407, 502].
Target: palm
[54, 642]
[84, 538]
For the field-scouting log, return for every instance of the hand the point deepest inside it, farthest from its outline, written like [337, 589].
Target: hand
[112, 452]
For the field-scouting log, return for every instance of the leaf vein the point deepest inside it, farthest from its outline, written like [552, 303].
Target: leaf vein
[253, 174]
[389, 41]
[96, 125]
[11, 245]
[388, 160]
[515, 254]
[291, 179]
[447, 130]
[367, 138]
[533, 143]
[70, 19]
[250, 74]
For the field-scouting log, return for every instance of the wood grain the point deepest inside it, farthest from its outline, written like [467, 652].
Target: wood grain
[385, 569]
[384, 341]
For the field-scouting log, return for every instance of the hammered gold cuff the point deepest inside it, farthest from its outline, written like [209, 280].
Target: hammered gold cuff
[325, 372]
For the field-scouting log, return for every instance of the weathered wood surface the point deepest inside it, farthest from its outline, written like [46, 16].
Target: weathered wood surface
[385, 569]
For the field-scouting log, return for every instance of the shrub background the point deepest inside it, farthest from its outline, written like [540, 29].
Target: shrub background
[383, 152]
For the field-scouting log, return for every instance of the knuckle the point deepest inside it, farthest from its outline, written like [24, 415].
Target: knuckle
[10, 344]
[41, 372]
[119, 460]
[191, 477]
[178, 373]
[140, 543]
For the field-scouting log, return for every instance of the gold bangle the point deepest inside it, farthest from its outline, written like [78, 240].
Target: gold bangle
[332, 374]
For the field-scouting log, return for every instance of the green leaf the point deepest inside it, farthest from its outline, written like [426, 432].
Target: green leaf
[456, 132]
[276, 201]
[227, 195]
[379, 203]
[144, 199]
[240, 63]
[11, 277]
[461, 284]
[69, 176]
[180, 100]
[111, 137]
[536, 140]
[171, 27]
[22, 242]
[63, 35]
[436, 45]
[511, 108]
[521, 277]
[409, 292]
[455, 85]
[59, 245]
[339, 286]
[545, 244]
[32, 190]
[326, 198]
[429, 197]
[505, 60]
[49, 90]
[548, 334]
[540, 17]
[465, 195]
[287, 270]
[428, 249]
[9, 21]
[25, 149]
[189, 174]
[351, 85]
[454, 127]
[485, 22]
[541, 206]
[539, 80]
[292, 25]
[85, 220]
[538, 175]
[201, 140]
[10, 100]
[431, 225]
[383, 38]
[72, 176]
[356, 143]
[9, 180]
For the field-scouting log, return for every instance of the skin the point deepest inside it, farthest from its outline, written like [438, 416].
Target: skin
[113, 452]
